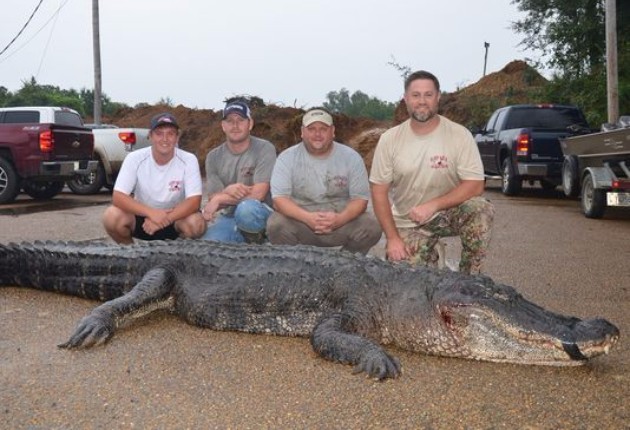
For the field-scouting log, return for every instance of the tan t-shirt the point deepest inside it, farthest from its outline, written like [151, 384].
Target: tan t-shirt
[421, 168]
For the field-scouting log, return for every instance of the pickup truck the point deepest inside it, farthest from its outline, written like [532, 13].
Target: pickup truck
[40, 149]
[597, 167]
[521, 143]
[111, 145]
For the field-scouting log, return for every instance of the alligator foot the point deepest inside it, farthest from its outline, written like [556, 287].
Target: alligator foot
[94, 329]
[378, 365]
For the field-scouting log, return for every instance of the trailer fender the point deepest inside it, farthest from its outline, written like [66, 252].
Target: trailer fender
[602, 177]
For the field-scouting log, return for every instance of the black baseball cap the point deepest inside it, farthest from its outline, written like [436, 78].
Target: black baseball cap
[163, 119]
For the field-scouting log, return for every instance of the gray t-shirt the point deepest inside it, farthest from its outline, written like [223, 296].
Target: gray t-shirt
[253, 166]
[320, 183]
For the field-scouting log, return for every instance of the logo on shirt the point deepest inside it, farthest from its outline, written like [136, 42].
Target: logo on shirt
[247, 171]
[174, 186]
[339, 182]
[439, 162]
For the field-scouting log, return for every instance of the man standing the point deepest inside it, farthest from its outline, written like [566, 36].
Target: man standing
[320, 192]
[431, 168]
[166, 186]
[238, 174]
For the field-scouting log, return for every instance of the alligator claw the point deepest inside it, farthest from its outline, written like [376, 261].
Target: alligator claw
[92, 330]
[378, 365]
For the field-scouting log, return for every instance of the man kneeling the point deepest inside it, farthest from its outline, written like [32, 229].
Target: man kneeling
[165, 182]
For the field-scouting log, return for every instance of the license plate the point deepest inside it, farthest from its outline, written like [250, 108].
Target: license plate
[618, 199]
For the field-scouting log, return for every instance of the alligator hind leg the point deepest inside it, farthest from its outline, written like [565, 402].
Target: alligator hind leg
[331, 341]
[151, 293]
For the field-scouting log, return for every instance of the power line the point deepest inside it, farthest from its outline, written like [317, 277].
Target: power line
[23, 28]
[55, 14]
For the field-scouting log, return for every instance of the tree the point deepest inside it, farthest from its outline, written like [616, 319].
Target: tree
[571, 36]
[358, 104]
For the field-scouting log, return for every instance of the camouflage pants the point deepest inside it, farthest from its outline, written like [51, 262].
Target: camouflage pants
[471, 221]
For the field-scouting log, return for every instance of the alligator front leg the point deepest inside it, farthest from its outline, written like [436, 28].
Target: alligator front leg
[151, 293]
[330, 341]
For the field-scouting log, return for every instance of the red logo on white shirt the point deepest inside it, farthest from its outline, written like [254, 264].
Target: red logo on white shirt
[439, 162]
[174, 186]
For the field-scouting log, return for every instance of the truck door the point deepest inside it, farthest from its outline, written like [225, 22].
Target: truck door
[486, 141]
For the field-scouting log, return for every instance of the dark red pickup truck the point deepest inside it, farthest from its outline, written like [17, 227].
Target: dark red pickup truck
[41, 148]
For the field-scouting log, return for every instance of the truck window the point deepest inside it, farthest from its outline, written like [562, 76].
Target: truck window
[490, 128]
[21, 117]
[549, 118]
[68, 118]
[501, 119]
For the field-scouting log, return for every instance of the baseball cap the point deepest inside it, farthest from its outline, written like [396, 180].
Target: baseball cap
[163, 119]
[316, 115]
[238, 107]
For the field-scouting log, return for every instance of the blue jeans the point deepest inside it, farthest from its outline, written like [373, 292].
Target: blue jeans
[250, 216]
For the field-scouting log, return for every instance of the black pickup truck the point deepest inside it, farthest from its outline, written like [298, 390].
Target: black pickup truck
[521, 143]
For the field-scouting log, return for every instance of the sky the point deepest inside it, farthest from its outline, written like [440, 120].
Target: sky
[288, 52]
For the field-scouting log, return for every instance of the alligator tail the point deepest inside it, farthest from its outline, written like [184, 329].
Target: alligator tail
[65, 268]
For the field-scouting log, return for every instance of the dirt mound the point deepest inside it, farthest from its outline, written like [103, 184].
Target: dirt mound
[472, 105]
[201, 128]
[281, 125]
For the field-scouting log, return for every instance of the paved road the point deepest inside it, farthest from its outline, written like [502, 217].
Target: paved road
[162, 373]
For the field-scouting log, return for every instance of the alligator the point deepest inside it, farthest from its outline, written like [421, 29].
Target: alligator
[350, 305]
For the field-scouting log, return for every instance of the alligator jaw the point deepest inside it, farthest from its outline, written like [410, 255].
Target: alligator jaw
[492, 322]
[492, 338]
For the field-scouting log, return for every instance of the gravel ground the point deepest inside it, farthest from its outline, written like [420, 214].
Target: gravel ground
[163, 373]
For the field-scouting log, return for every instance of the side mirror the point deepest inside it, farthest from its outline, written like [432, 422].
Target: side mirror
[475, 129]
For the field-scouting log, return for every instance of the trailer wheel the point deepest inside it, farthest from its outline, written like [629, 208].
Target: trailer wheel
[593, 200]
[9, 182]
[570, 176]
[511, 184]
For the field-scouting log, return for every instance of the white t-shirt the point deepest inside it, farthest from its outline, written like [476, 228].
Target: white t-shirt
[320, 183]
[421, 168]
[161, 187]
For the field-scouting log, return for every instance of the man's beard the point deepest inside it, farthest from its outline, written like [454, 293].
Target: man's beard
[423, 117]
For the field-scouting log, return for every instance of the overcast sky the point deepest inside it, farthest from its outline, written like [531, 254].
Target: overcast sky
[288, 52]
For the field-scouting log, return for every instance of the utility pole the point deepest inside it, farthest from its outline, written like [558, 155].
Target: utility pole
[96, 43]
[486, 45]
[612, 83]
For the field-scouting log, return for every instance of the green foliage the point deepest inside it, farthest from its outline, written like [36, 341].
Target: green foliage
[34, 94]
[571, 36]
[359, 104]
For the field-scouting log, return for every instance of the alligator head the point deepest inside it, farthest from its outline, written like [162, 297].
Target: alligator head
[478, 319]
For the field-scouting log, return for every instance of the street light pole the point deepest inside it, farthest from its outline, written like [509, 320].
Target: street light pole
[96, 43]
[486, 45]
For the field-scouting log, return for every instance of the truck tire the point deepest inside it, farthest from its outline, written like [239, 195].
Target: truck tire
[570, 176]
[43, 190]
[9, 182]
[511, 184]
[593, 200]
[88, 184]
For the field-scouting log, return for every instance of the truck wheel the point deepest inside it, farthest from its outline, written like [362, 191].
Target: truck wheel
[593, 200]
[88, 184]
[42, 190]
[9, 182]
[570, 176]
[511, 184]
